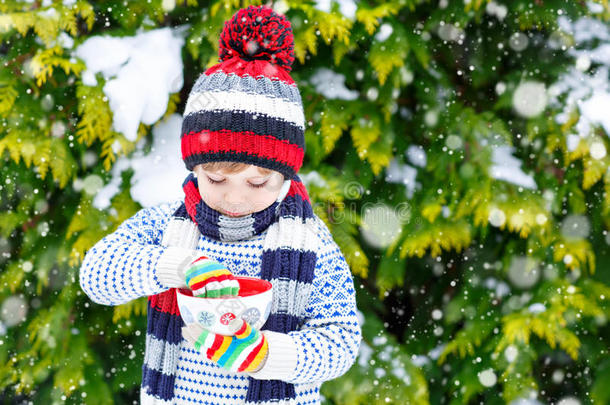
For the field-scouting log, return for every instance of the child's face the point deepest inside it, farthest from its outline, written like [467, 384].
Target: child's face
[236, 194]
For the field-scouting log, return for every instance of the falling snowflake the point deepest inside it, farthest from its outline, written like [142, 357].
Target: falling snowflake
[206, 318]
[225, 319]
[251, 315]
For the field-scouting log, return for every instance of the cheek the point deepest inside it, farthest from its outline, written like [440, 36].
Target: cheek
[270, 198]
[206, 194]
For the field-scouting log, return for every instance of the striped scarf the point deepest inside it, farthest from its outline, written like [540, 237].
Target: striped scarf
[287, 261]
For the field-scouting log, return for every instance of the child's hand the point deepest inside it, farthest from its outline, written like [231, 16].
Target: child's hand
[246, 351]
[208, 278]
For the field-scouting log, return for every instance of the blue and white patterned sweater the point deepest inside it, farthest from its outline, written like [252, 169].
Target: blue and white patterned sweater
[122, 267]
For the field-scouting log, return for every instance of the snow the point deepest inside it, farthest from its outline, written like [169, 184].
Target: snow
[419, 360]
[518, 41]
[585, 29]
[569, 400]
[500, 288]
[346, 7]
[572, 141]
[595, 7]
[402, 173]
[575, 227]
[49, 13]
[140, 72]
[14, 310]
[417, 155]
[436, 352]
[168, 5]
[597, 148]
[384, 32]
[530, 98]
[510, 353]
[523, 271]
[365, 354]
[331, 85]
[157, 176]
[487, 377]
[525, 401]
[450, 32]
[536, 308]
[380, 340]
[588, 92]
[497, 217]
[508, 168]
[595, 109]
[314, 178]
[499, 10]
[65, 40]
[381, 225]
[47, 3]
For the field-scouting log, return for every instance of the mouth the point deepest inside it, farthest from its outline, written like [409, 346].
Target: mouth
[231, 214]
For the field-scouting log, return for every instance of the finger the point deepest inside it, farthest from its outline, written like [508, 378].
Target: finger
[203, 271]
[256, 357]
[211, 289]
[192, 332]
[240, 328]
[247, 353]
[187, 335]
[217, 347]
[228, 288]
[234, 285]
[203, 340]
[199, 292]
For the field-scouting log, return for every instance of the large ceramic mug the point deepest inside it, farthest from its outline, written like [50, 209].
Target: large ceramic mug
[253, 304]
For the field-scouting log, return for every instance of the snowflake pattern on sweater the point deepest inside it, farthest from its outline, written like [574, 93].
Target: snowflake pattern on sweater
[122, 267]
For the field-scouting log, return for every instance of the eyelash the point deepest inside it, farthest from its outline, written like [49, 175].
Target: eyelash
[251, 185]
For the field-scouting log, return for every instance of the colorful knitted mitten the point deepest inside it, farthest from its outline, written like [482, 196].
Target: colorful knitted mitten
[208, 278]
[245, 351]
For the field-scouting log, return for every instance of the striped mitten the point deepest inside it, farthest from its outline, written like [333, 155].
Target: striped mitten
[245, 351]
[208, 278]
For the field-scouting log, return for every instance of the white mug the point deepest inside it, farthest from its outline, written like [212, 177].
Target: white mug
[253, 304]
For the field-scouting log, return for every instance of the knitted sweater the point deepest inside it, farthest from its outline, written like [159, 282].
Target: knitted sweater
[125, 265]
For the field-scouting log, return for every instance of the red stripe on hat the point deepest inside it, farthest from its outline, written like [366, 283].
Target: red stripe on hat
[264, 146]
[253, 68]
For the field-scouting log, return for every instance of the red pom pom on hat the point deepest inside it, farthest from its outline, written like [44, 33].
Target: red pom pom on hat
[258, 33]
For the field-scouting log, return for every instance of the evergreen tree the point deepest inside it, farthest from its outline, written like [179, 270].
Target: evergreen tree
[456, 150]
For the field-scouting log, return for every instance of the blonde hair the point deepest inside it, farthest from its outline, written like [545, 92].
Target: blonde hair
[233, 167]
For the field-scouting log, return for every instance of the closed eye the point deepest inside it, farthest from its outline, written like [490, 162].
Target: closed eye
[214, 181]
[222, 181]
[257, 185]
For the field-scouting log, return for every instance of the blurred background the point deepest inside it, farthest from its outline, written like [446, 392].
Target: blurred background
[457, 150]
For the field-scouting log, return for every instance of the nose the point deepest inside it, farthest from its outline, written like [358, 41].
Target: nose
[234, 198]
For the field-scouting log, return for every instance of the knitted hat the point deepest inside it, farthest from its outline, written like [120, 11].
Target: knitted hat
[247, 108]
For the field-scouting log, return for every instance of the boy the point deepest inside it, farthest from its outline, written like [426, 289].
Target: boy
[246, 208]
